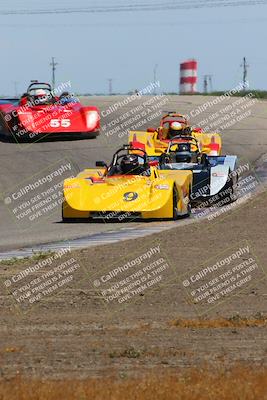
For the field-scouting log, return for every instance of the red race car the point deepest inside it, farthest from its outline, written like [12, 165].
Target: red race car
[39, 113]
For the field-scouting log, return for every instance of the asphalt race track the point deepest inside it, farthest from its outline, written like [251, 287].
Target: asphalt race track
[247, 138]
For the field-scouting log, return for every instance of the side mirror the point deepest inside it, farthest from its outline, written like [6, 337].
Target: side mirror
[101, 164]
[151, 130]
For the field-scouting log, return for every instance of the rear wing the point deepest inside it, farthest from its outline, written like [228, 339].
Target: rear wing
[9, 101]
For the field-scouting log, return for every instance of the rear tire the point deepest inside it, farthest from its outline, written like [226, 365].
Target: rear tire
[231, 196]
[189, 209]
[65, 220]
[92, 135]
[175, 214]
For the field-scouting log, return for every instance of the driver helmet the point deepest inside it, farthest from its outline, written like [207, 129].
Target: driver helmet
[129, 164]
[65, 94]
[40, 95]
[176, 128]
[66, 98]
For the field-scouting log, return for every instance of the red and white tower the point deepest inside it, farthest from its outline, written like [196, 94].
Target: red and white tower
[188, 77]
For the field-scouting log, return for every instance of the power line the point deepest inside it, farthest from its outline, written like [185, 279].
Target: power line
[158, 6]
[134, 23]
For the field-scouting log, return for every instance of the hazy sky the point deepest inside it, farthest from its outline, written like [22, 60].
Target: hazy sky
[125, 46]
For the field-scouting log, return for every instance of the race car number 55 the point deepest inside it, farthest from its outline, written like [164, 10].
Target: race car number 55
[56, 123]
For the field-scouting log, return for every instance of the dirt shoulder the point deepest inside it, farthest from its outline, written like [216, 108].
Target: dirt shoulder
[76, 330]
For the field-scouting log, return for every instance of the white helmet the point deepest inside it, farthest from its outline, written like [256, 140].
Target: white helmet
[176, 126]
[40, 92]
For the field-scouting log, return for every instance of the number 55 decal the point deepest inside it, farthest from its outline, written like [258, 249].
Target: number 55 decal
[56, 123]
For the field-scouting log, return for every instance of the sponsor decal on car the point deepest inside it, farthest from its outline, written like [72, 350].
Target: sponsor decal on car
[162, 187]
[74, 186]
[218, 174]
[130, 196]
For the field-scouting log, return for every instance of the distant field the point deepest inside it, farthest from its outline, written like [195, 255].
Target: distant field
[259, 94]
[240, 383]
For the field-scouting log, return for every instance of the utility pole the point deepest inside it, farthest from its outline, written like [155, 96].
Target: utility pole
[207, 83]
[245, 66]
[53, 64]
[210, 81]
[155, 78]
[110, 88]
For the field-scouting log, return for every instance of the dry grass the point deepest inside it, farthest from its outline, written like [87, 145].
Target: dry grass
[233, 322]
[240, 383]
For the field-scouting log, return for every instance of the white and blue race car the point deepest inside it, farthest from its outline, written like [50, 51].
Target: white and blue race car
[215, 178]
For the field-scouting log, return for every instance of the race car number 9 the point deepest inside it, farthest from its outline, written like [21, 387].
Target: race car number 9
[56, 123]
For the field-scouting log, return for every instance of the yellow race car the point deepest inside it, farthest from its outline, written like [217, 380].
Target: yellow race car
[130, 187]
[155, 141]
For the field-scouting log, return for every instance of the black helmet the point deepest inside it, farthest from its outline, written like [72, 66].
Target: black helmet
[65, 94]
[130, 164]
